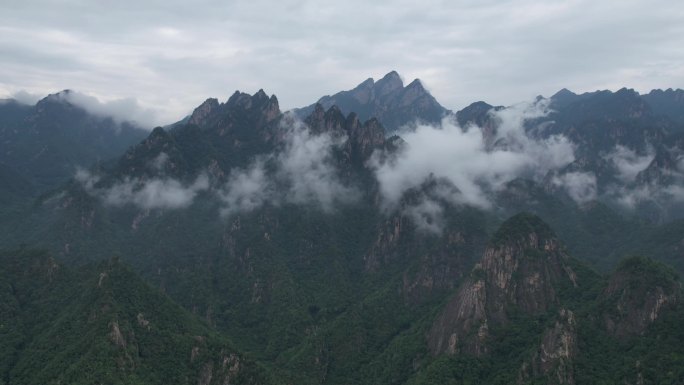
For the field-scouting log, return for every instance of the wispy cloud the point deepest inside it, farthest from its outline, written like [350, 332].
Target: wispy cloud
[247, 190]
[25, 97]
[580, 186]
[303, 173]
[462, 158]
[155, 193]
[628, 162]
[307, 167]
[467, 168]
[661, 193]
[121, 110]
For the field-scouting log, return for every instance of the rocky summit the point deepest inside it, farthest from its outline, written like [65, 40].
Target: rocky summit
[388, 100]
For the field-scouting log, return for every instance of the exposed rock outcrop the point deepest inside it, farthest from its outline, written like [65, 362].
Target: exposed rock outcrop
[638, 292]
[361, 139]
[553, 360]
[387, 100]
[518, 271]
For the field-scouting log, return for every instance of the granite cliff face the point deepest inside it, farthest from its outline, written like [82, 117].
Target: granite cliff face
[553, 360]
[361, 138]
[637, 294]
[518, 272]
[387, 100]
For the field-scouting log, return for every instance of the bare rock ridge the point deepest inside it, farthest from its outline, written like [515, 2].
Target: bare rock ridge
[258, 104]
[519, 270]
[388, 100]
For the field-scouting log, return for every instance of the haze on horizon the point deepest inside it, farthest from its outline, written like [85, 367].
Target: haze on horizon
[165, 58]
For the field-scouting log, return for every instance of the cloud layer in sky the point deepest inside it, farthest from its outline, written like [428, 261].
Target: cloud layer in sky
[172, 55]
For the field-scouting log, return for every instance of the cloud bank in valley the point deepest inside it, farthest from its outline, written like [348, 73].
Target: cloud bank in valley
[628, 163]
[462, 159]
[154, 193]
[303, 173]
[438, 165]
[306, 165]
[580, 186]
[246, 190]
[300, 172]
[661, 193]
[633, 191]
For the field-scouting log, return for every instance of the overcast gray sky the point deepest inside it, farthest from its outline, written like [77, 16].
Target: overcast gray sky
[170, 55]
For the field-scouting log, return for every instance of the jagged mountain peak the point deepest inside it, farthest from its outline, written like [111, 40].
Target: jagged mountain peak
[366, 84]
[416, 83]
[563, 92]
[61, 98]
[259, 103]
[246, 100]
[388, 100]
[668, 103]
[627, 91]
[676, 94]
[388, 84]
[203, 110]
[58, 96]
[392, 75]
[563, 98]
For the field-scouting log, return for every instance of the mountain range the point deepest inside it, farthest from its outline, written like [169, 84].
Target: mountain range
[372, 237]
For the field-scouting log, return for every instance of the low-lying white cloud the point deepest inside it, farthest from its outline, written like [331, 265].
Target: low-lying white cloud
[159, 162]
[661, 192]
[246, 190]
[462, 157]
[662, 195]
[628, 163]
[303, 172]
[307, 167]
[580, 186]
[427, 216]
[155, 193]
